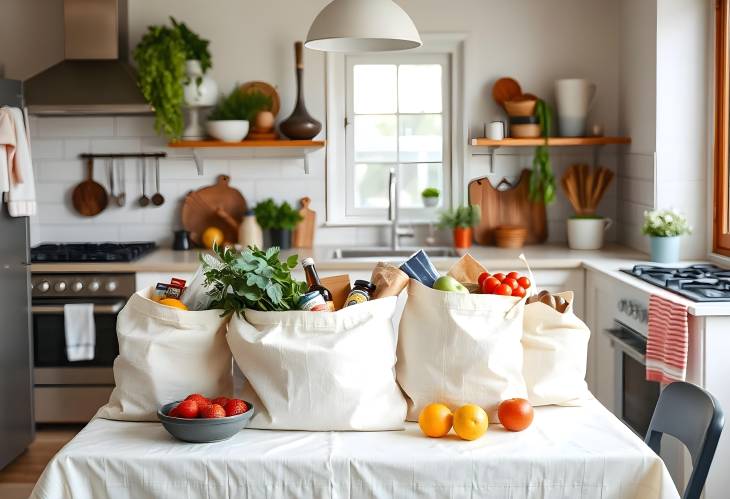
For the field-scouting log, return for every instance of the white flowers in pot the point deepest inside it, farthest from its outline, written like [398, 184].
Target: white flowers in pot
[664, 228]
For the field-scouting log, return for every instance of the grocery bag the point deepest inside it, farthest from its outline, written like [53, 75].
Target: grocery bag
[320, 371]
[459, 348]
[166, 354]
[556, 351]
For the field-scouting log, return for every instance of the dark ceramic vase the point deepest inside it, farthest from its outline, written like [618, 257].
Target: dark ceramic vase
[281, 238]
[300, 125]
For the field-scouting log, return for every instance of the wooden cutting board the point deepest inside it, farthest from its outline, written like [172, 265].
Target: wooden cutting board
[303, 236]
[218, 205]
[507, 207]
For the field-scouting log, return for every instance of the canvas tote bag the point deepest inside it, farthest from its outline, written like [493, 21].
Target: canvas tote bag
[458, 348]
[166, 354]
[320, 371]
[556, 352]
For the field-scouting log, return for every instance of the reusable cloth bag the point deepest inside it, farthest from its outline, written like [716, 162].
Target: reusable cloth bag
[556, 352]
[320, 371]
[166, 354]
[459, 348]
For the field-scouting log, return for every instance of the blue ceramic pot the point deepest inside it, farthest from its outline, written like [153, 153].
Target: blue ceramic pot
[665, 249]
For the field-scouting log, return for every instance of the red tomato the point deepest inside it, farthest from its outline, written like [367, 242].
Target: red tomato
[503, 290]
[511, 282]
[482, 276]
[524, 282]
[513, 275]
[499, 276]
[519, 291]
[515, 414]
[489, 285]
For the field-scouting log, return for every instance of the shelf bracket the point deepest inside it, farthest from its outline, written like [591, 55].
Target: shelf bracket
[198, 161]
[491, 152]
[305, 157]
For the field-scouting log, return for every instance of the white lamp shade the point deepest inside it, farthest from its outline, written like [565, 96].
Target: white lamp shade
[362, 26]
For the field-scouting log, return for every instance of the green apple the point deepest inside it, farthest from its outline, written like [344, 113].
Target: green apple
[448, 283]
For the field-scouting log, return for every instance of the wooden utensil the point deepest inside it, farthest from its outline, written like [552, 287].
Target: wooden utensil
[507, 206]
[122, 196]
[157, 198]
[585, 187]
[143, 199]
[505, 89]
[303, 236]
[218, 205]
[89, 198]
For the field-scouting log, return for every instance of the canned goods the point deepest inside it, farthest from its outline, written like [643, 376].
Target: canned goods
[312, 302]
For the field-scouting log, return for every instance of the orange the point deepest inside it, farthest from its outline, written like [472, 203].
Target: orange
[212, 235]
[470, 422]
[174, 303]
[435, 420]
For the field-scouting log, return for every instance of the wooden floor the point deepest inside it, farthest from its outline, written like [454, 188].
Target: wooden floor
[18, 478]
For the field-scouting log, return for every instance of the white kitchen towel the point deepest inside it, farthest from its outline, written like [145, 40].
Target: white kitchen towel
[80, 328]
[21, 194]
[7, 148]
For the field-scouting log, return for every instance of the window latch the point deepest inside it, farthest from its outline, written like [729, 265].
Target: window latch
[347, 122]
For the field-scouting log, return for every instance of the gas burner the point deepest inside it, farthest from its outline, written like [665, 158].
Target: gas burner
[90, 252]
[701, 282]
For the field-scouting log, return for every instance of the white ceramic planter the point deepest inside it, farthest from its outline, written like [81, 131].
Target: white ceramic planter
[227, 130]
[587, 233]
[430, 202]
[201, 90]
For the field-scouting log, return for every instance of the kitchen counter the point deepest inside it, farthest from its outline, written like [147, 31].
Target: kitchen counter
[547, 256]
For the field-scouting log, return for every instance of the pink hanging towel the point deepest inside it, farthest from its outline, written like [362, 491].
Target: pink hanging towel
[666, 349]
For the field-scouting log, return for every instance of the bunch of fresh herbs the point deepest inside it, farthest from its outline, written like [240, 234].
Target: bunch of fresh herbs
[241, 105]
[269, 215]
[253, 279]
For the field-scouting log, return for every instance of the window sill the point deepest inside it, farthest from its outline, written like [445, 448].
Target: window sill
[374, 223]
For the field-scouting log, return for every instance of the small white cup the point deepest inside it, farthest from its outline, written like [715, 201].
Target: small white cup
[495, 130]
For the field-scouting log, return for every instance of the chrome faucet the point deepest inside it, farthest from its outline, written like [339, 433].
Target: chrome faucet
[396, 232]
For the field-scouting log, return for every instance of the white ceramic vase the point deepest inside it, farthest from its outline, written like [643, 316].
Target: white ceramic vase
[574, 98]
[201, 90]
[587, 233]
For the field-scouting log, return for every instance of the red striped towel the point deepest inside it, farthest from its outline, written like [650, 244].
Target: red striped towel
[666, 349]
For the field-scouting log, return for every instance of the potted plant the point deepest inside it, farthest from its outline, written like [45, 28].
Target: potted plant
[278, 220]
[430, 196]
[664, 228]
[199, 89]
[461, 220]
[229, 120]
[586, 228]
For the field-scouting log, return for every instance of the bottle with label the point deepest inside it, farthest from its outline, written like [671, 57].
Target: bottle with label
[361, 293]
[250, 233]
[315, 285]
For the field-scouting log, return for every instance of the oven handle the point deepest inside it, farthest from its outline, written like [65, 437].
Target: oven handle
[617, 341]
[58, 309]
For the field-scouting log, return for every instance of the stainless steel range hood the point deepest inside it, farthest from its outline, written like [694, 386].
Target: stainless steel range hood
[95, 77]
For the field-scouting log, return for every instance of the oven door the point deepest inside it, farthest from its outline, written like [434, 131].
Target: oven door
[636, 397]
[49, 339]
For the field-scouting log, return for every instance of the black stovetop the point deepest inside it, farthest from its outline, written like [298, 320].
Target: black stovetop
[702, 282]
[90, 252]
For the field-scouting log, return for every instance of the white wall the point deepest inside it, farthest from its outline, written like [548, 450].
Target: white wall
[532, 40]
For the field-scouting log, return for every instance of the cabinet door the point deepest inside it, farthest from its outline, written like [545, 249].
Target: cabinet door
[601, 374]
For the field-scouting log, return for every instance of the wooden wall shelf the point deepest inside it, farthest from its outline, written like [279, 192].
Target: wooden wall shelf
[552, 141]
[301, 144]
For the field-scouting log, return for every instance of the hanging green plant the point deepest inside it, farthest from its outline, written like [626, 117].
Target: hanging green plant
[542, 180]
[196, 48]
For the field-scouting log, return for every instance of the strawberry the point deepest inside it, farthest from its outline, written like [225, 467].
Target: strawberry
[221, 401]
[187, 409]
[214, 411]
[234, 407]
[199, 399]
[173, 413]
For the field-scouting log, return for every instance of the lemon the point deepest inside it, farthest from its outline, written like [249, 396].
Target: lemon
[212, 235]
[174, 303]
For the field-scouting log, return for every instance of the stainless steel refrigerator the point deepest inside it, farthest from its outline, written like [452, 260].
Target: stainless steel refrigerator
[16, 383]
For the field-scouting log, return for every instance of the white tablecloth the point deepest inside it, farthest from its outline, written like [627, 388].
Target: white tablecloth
[568, 452]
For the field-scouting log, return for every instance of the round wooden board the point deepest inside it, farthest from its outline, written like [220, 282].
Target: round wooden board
[505, 89]
[218, 205]
[266, 89]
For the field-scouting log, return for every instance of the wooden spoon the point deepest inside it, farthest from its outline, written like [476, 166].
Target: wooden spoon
[143, 199]
[157, 197]
[89, 198]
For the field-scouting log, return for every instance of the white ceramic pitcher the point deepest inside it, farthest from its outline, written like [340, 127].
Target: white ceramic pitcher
[574, 98]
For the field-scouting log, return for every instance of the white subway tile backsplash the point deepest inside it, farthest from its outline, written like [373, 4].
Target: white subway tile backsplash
[72, 148]
[637, 191]
[79, 233]
[76, 126]
[110, 146]
[135, 126]
[46, 149]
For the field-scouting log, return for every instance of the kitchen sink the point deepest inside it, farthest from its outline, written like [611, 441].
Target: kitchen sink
[342, 253]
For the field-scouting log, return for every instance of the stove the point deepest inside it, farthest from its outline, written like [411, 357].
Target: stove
[90, 252]
[702, 282]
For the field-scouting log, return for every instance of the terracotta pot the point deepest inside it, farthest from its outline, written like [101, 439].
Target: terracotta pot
[462, 237]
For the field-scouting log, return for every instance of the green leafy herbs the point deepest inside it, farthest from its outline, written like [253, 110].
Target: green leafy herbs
[269, 215]
[463, 216]
[430, 192]
[241, 105]
[542, 179]
[253, 279]
[196, 48]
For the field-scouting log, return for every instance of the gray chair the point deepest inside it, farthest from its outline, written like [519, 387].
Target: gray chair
[695, 418]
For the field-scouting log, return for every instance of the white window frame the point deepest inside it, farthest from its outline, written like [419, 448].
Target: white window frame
[339, 190]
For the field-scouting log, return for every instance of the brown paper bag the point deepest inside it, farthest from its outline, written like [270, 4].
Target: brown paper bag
[389, 280]
[339, 286]
[467, 270]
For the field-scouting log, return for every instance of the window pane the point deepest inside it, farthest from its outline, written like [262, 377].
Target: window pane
[374, 88]
[375, 138]
[414, 178]
[371, 185]
[419, 88]
[421, 138]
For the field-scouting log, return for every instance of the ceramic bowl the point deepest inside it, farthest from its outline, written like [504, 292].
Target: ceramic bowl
[203, 430]
[227, 130]
[520, 107]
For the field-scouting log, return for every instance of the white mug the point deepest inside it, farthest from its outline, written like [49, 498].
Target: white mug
[587, 233]
[495, 130]
[574, 97]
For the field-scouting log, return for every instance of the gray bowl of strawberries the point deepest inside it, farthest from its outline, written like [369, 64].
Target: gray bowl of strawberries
[200, 420]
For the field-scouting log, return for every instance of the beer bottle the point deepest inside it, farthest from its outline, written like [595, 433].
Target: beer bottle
[315, 285]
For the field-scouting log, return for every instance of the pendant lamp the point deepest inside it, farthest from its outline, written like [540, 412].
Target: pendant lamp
[362, 26]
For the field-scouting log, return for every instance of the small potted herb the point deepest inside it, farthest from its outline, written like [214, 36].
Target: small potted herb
[278, 220]
[430, 196]
[664, 228]
[229, 120]
[461, 220]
